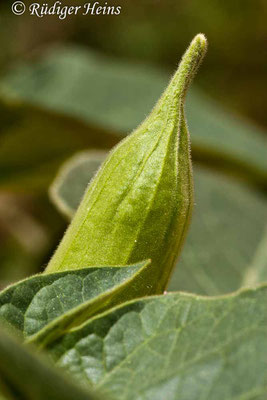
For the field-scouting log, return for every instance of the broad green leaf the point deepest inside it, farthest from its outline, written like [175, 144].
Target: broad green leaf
[174, 346]
[66, 299]
[26, 376]
[118, 95]
[227, 215]
[80, 83]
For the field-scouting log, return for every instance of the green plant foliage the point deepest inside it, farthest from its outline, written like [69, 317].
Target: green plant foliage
[234, 212]
[35, 141]
[227, 225]
[115, 95]
[94, 312]
[172, 347]
[72, 180]
[25, 376]
[63, 300]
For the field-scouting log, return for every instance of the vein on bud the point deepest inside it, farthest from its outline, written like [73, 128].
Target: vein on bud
[139, 203]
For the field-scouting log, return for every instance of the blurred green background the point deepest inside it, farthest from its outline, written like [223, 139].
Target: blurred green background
[84, 82]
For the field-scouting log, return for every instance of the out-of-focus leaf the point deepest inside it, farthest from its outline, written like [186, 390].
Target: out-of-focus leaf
[173, 347]
[29, 377]
[93, 88]
[64, 300]
[72, 179]
[34, 142]
[228, 222]
[118, 95]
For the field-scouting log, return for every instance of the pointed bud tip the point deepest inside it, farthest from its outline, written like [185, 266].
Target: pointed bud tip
[201, 41]
[189, 64]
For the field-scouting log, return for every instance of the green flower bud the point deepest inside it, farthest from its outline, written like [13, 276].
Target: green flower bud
[139, 204]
